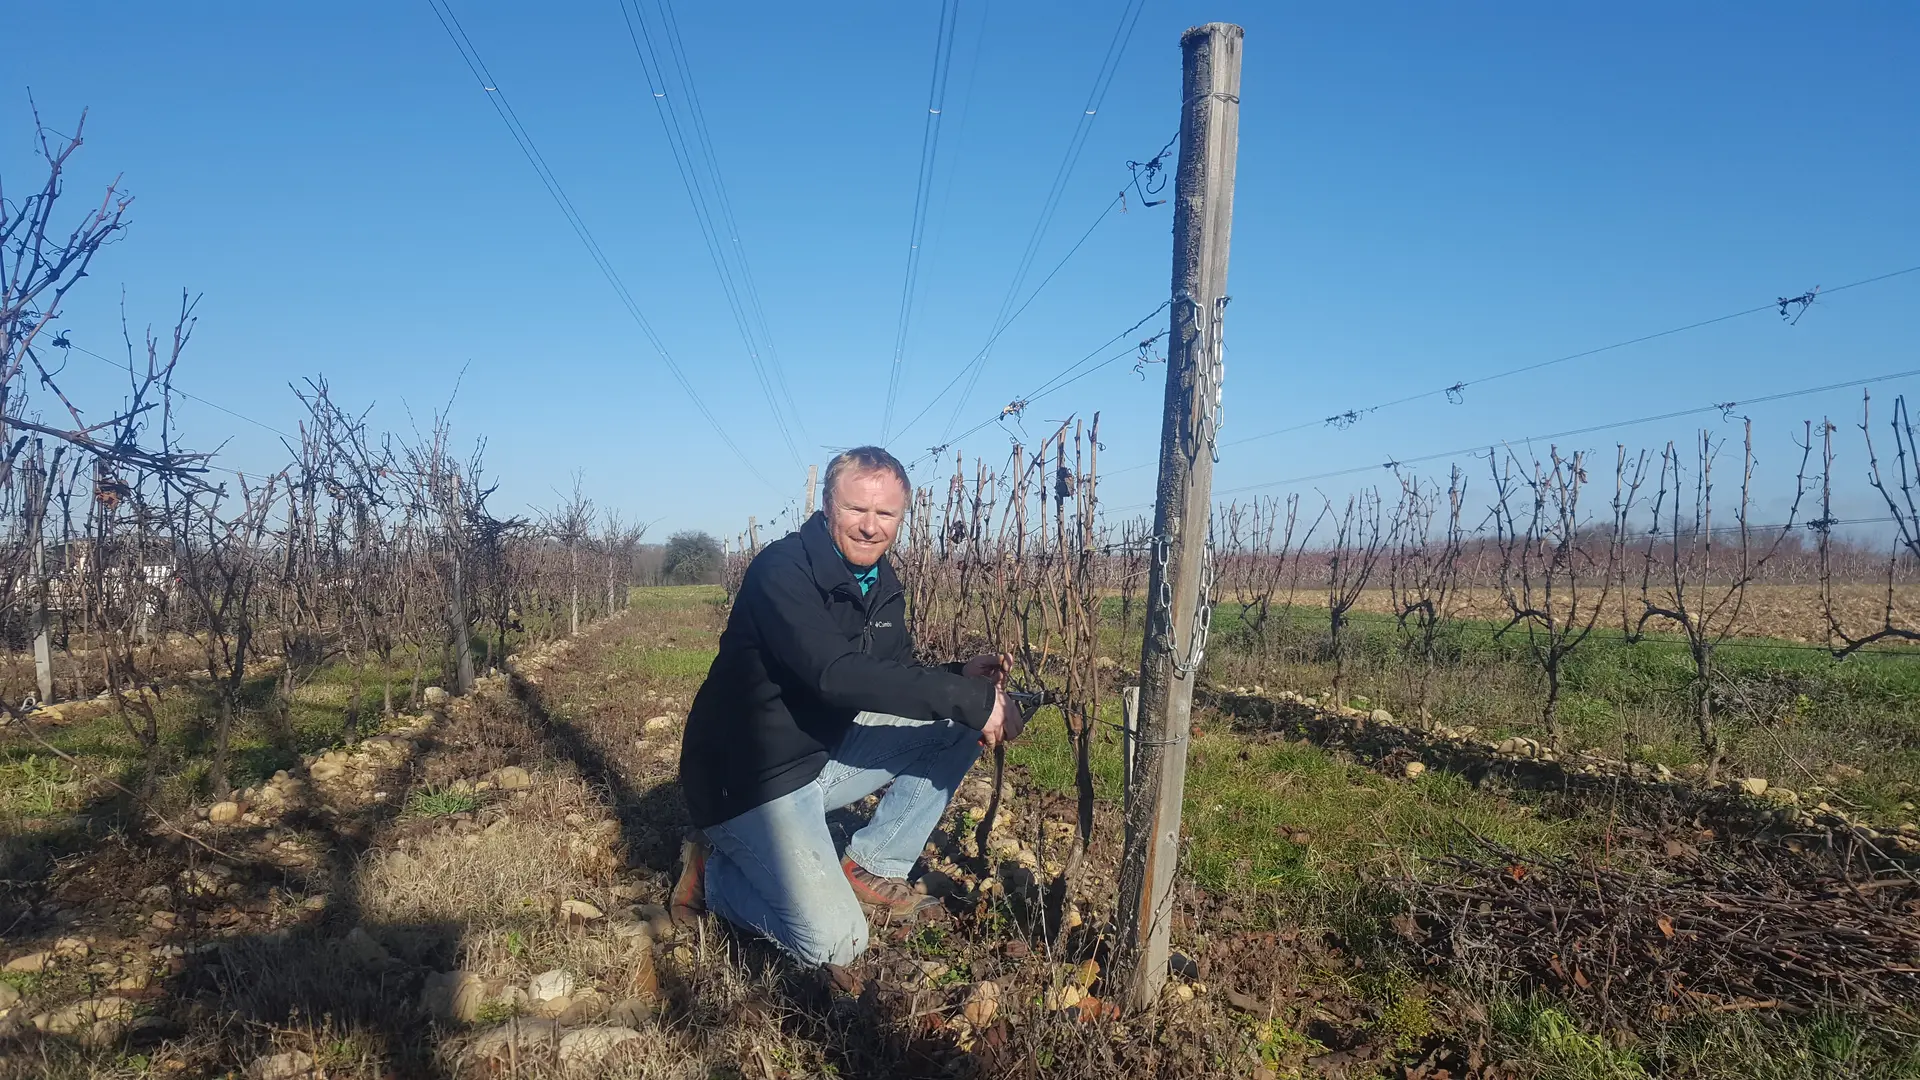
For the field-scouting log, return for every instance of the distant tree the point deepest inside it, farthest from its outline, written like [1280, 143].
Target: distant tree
[691, 558]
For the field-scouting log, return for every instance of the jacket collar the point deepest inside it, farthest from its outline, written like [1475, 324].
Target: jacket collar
[830, 572]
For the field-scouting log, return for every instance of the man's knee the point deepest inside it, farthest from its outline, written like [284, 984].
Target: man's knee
[831, 937]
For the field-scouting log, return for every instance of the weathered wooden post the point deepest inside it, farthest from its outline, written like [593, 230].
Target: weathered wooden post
[1181, 577]
[813, 480]
[461, 630]
[42, 632]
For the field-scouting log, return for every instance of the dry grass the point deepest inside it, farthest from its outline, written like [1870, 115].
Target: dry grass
[475, 877]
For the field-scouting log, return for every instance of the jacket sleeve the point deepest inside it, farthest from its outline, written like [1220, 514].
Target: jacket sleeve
[800, 637]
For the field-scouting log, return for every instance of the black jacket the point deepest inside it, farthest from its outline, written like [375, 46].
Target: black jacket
[802, 653]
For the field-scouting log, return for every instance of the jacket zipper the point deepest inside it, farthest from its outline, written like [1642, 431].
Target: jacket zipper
[866, 628]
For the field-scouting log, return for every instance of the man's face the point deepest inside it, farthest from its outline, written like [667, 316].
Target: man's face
[864, 515]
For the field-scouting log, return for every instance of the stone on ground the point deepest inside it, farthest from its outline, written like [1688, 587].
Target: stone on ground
[591, 1046]
[549, 985]
[511, 778]
[292, 1065]
[517, 1039]
[454, 995]
[32, 962]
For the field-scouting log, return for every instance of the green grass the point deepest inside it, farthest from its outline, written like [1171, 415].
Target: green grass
[1290, 822]
[37, 785]
[1784, 711]
[676, 599]
[1549, 1038]
[440, 802]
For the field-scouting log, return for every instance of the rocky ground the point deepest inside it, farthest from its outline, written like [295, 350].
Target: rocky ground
[477, 891]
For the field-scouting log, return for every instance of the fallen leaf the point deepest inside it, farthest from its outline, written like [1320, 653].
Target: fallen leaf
[1665, 924]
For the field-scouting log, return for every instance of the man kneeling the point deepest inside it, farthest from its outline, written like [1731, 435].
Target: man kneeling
[813, 703]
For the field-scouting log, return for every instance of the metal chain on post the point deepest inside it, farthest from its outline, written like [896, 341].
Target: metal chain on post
[1210, 373]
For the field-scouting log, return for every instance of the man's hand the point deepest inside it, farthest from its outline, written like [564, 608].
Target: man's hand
[990, 666]
[995, 731]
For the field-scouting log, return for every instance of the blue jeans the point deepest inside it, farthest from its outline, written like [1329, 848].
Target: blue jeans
[774, 870]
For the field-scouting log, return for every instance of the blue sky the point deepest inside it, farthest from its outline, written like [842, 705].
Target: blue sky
[1427, 193]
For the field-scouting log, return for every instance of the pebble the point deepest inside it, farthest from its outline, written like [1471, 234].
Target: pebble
[580, 911]
[288, 1066]
[224, 813]
[516, 1039]
[592, 1046]
[99, 1016]
[32, 962]
[549, 985]
[511, 778]
[1415, 768]
[453, 995]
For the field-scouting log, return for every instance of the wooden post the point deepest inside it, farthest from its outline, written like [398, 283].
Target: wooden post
[1180, 577]
[457, 595]
[42, 635]
[813, 480]
[573, 582]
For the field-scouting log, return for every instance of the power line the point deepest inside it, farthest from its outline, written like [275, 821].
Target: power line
[1453, 392]
[726, 207]
[922, 192]
[707, 193]
[1061, 380]
[503, 108]
[1102, 81]
[1719, 407]
[190, 396]
[1003, 327]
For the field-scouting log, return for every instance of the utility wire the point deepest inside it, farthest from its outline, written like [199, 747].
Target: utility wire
[1454, 391]
[190, 396]
[693, 157]
[1083, 126]
[496, 97]
[1060, 381]
[726, 207]
[1003, 327]
[922, 198]
[1719, 407]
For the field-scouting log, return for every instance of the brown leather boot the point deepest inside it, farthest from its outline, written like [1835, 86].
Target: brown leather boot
[892, 898]
[688, 901]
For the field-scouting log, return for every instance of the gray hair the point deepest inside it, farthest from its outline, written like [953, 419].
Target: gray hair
[865, 459]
